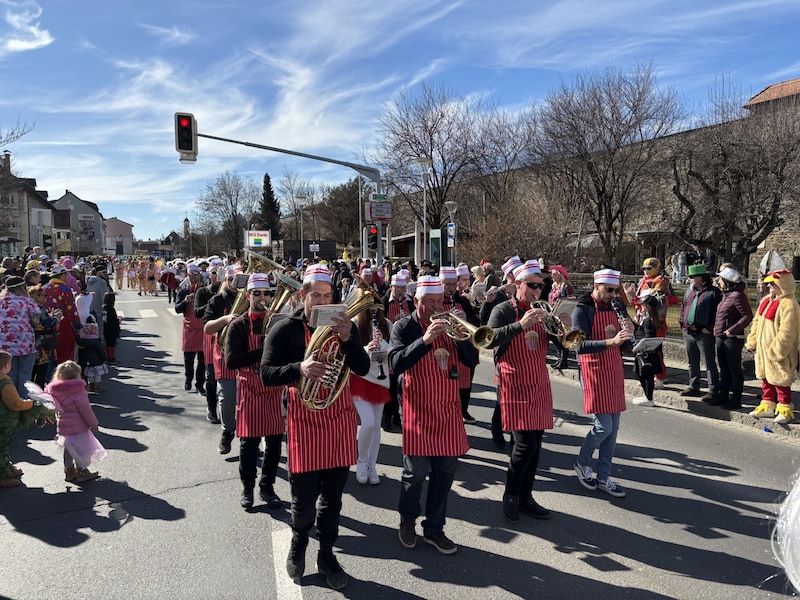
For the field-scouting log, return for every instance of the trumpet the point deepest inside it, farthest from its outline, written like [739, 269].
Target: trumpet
[554, 326]
[461, 330]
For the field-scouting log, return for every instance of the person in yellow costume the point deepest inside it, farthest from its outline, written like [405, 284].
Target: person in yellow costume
[773, 337]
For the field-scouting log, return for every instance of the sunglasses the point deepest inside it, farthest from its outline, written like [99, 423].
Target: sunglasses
[260, 293]
[611, 290]
[534, 286]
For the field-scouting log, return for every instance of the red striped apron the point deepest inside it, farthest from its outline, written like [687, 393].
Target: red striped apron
[208, 349]
[322, 439]
[258, 407]
[432, 422]
[192, 329]
[526, 400]
[397, 310]
[220, 370]
[464, 373]
[602, 372]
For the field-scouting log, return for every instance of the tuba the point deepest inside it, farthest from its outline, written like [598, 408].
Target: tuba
[462, 330]
[319, 395]
[256, 263]
[554, 326]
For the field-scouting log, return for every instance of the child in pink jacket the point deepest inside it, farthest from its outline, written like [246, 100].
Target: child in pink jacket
[76, 422]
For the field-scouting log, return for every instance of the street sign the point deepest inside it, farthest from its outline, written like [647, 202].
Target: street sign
[313, 247]
[257, 239]
[451, 235]
[379, 211]
[379, 197]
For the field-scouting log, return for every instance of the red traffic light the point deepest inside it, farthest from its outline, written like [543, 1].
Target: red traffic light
[373, 230]
[184, 121]
[186, 136]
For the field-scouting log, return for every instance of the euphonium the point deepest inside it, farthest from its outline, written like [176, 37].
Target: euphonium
[481, 337]
[318, 395]
[554, 326]
[283, 291]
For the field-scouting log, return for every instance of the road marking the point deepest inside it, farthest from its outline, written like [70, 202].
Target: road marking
[147, 313]
[281, 539]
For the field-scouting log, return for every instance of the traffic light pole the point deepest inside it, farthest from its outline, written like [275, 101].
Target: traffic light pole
[370, 173]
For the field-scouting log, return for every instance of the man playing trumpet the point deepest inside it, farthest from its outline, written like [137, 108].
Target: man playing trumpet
[523, 383]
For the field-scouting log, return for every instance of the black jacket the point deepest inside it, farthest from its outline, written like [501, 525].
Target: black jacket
[202, 296]
[91, 353]
[237, 342]
[406, 346]
[217, 306]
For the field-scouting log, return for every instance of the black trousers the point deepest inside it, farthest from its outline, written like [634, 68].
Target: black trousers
[211, 389]
[647, 385]
[328, 486]
[190, 370]
[248, 461]
[523, 464]
[391, 409]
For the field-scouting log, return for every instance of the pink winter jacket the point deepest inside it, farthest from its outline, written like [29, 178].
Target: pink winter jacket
[72, 396]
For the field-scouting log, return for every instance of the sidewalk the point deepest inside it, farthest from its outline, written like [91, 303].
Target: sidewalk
[678, 380]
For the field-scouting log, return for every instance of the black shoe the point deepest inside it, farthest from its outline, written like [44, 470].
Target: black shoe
[212, 417]
[533, 509]
[296, 561]
[386, 423]
[397, 421]
[201, 390]
[225, 443]
[691, 392]
[468, 418]
[732, 405]
[510, 508]
[187, 385]
[329, 566]
[269, 496]
[247, 499]
[499, 441]
[716, 400]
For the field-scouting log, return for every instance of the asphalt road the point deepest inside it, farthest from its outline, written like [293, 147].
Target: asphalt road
[164, 519]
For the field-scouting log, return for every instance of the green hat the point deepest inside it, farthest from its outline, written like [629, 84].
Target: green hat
[695, 270]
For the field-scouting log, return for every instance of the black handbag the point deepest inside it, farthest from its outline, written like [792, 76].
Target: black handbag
[644, 364]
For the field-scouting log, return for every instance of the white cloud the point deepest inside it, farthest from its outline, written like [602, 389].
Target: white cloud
[25, 32]
[171, 36]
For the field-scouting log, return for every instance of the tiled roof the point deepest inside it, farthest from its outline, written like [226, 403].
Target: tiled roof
[776, 91]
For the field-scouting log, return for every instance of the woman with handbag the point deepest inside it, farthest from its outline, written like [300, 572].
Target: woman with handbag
[648, 363]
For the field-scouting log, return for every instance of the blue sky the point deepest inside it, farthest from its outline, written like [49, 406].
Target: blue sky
[102, 79]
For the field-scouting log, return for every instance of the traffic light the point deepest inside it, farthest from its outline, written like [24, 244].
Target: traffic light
[47, 241]
[372, 239]
[186, 136]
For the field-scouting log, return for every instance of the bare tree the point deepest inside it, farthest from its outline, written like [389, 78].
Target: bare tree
[19, 129]
[227, 203]
[599, 137]
[338, 212]
[433, 125]
[736, 176]
[294, 194]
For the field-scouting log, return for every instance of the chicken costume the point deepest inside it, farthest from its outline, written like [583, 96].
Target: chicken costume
[773, 336]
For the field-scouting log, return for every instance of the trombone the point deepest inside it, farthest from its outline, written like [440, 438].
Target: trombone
[461, 330]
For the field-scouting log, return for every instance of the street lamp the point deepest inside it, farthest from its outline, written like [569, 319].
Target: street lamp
[298, 199]
[452, 207]
[425, 165]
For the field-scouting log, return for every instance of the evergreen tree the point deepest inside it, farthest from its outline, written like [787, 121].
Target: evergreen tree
[269, 210]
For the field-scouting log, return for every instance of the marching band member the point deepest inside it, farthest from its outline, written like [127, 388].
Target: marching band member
[321, 445]
[433, 430]
[454, 301]
[258, 407]
[602, 377]
[201, 299]
[192, 339]
[217, 316]
[523, 383]
[397, 304]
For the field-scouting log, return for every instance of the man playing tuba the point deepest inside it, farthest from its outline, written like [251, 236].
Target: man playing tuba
[321, 445]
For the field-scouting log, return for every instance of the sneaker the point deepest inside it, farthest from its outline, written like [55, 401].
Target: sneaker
[86, 475]
[441, 542]
[328, 566]
[658, 384]
[225, 443]
[469, 419]
[187, 385]
[691, 392]
[361, 472]
[585, 477]
[372, 476]
[642, 401]
[610, 487]
[511, 508]
[212, 417]
[10, 482]
[408, 533]
[200, 390]
[246, 501]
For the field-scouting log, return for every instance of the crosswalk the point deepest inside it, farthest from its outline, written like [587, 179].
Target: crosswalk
[146, 313]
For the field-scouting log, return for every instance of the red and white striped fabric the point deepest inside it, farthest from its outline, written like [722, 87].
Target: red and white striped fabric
[397, 310]
[526, 400]
[258, 407]
[602, 372]
[192, 339]
[432, 422]
[322, 439]
[464, 373]
[208, 348]
[220, 370]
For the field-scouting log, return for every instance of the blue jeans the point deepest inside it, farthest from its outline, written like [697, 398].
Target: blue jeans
[22, 372]
[702, 343]
[442, 471]
[226, 404]
[603, 436]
